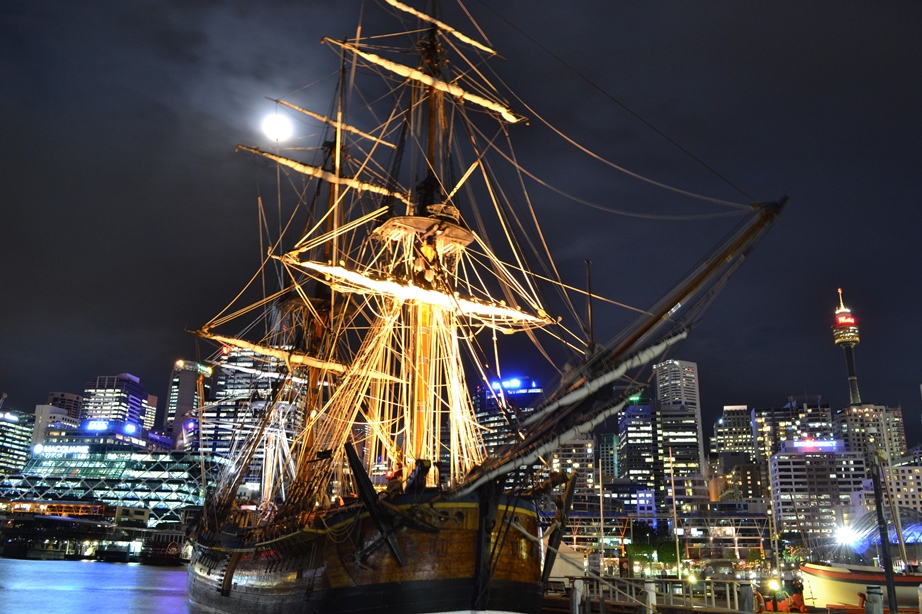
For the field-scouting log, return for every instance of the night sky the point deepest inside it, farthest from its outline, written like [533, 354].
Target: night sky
[127, 217]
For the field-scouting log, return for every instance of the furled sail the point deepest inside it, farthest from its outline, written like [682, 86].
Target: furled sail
[421, 77]
[327, 176]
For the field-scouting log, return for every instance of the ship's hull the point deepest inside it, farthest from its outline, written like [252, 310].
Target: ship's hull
[827, 584]
[345, 567]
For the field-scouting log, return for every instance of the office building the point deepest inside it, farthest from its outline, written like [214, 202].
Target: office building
[608, 454]
[812, 486]
[186, 394]
[733, 432]
[638, 457]
[867, 428]
[149, 407]
[69, 402]
[799, 419]
[15, 439]
[51, 417]
[115, 474]
[499, 408]
[680, 435]
[116, 397]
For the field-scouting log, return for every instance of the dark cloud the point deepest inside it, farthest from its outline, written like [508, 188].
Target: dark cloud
[125, 216]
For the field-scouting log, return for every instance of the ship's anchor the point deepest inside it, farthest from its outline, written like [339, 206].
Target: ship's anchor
[369, 497]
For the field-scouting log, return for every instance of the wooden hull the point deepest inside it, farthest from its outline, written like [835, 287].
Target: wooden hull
[318, 571]
[840, 584]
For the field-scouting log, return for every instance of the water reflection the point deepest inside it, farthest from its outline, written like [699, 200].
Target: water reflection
[77, 587]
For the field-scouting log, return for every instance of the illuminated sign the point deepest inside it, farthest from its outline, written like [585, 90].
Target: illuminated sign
[97, 425]
[50, 450]
[514, 383]
[845, 320]
[816, 444]
[130, 428]
[10, 417]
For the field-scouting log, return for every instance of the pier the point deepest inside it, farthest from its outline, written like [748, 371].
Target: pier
[592, 594]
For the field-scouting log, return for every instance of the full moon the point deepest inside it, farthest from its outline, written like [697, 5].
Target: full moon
[277, 127]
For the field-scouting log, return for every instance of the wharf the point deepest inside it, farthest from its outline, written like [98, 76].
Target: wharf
[587, 595]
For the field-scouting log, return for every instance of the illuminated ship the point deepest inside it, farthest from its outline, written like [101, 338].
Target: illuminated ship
[375, 492]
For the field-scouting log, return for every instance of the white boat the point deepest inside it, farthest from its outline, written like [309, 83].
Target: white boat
[840, 584]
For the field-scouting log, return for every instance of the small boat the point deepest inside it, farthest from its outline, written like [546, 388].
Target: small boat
[165, 547]
[841, 584]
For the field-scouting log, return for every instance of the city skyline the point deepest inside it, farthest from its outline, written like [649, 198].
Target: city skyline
[130, 218]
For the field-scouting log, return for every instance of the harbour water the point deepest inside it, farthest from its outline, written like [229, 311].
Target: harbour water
[79, 587]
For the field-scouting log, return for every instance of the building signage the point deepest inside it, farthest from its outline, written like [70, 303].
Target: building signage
[51, 450]
[845, 320]
[816, 444]
[515, 385]
[97, 425]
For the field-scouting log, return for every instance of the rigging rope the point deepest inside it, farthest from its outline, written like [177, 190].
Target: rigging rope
[623, 106]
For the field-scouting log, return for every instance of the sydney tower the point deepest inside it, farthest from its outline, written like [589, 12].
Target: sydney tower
[845, 334]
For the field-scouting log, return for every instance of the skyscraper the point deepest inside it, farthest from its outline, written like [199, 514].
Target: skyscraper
[608, 453]
[811, 485]
[681, 436]
[115, 397]
[501, 406]
[15, 440]
[184, 398]
[638, 458]
[799, 418]
[71, 403]
[845, 335]
[733, 431]
[867, 428]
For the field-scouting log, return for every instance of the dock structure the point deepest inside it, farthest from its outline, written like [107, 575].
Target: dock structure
[593, 594]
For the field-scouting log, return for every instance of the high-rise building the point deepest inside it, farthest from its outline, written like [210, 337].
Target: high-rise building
[15, 440]
[184, 398]
[244, 384]
[577, 458]
[499, 409]
[733, 431]
[115, 397]
[638, 458]
[608, 453]
[845, 335]
[149, 406]
[811, 486]
[867, 428]
[799, 418]
[681, 438]
[501, 406]
[50, 416]
[71, 403]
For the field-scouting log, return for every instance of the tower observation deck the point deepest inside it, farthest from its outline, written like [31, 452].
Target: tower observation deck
[845, 335]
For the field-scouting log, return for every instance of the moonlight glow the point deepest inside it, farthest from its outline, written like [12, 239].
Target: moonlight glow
[277, 127]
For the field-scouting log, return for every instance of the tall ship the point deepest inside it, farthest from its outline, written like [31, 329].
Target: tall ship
[359, 480]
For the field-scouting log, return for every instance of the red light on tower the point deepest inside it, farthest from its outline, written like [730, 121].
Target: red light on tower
[845, 325]
[846, 320]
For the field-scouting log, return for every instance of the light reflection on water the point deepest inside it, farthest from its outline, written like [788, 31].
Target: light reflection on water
[77, 587]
